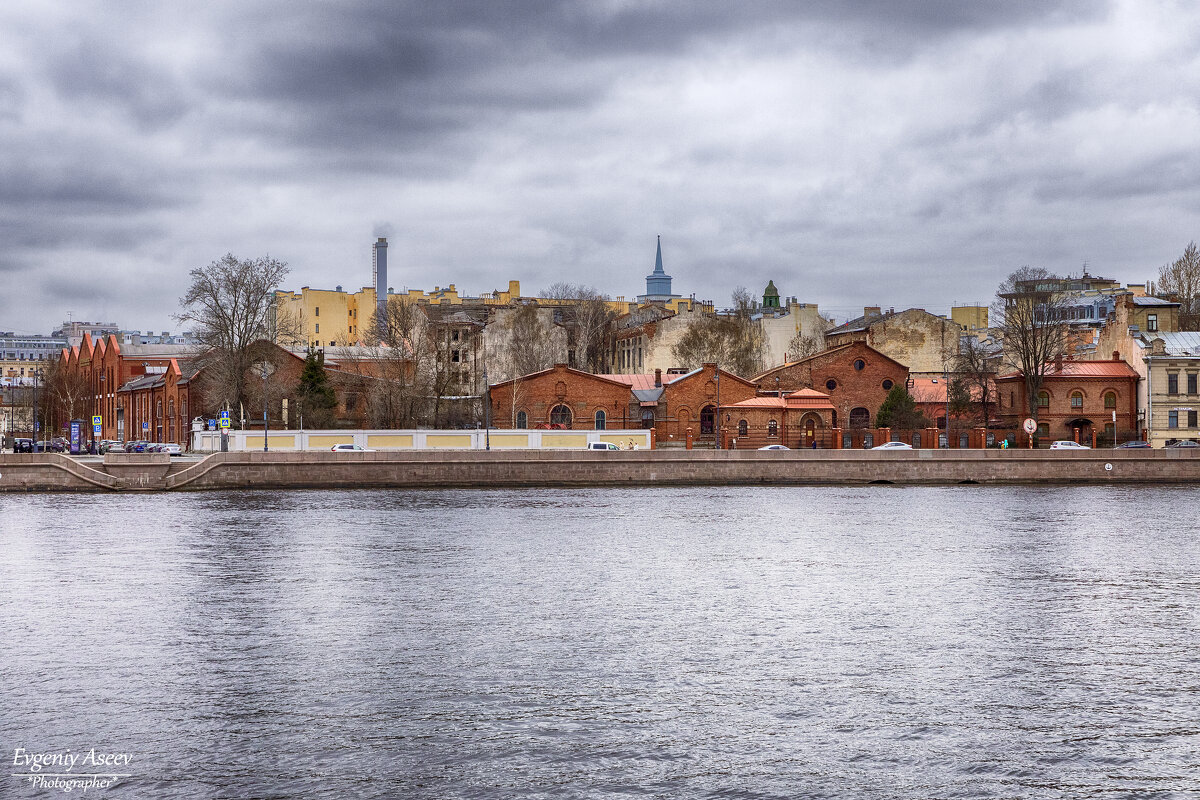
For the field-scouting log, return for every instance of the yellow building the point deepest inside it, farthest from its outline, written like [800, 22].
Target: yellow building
[333, 317]
[973, 318]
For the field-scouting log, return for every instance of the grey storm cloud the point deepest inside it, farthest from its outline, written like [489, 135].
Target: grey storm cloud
[904, 152]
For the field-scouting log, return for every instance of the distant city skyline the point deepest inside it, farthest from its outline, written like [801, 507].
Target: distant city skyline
[901, 154]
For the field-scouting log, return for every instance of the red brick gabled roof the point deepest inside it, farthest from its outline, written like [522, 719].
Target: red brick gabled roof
[825, 353]
[563, 368]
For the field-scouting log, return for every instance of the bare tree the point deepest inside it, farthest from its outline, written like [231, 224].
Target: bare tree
[976, 365]
[730, 339]
[522, 341]
[1033, 330]
[1180, 281]
[591, 323]
[396, 375]
[802, 345]
[229, 305]
[67, 393]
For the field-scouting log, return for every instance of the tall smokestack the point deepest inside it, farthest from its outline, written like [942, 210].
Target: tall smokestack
[379, 278]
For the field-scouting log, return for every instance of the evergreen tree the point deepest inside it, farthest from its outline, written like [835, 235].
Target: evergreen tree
[316, 395]
[899, 411]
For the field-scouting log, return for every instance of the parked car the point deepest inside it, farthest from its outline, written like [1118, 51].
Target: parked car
[775, 447]
[350, 448]
[136, 447]
[1134, 444]
[170, 448]
[22, 445]
[601, 446]
[1183, 443]
[1066, 444]
[893, 446]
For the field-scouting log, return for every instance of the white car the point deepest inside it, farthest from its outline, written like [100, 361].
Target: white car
[893, 446]
[775, 447]
[350, 448]
[1066, 444]
[601, 446]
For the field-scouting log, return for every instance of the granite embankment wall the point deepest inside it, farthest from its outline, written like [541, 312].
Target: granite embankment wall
[257, 470]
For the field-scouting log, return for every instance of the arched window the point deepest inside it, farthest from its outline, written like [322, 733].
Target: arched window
[1076, 399]
[560, 415]
[600, 420]
[1043, 399]
[158, 410]
[859, 417]
[772, 428]
[522, 419]
[743, 427]
[1110, 399]
[831, 384]
[707, 419]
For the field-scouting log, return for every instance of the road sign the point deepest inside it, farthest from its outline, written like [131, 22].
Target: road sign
[145, 426]
[224, 422]
[97, 420]
[1030, 425]
[212, 424]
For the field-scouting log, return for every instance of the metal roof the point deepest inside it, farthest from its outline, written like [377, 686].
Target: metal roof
[1179, 343]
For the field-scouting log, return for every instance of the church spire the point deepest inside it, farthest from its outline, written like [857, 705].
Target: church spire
[658, 267]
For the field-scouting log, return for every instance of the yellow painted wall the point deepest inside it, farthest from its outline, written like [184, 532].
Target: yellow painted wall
[319, 442]
[448, 440]
[390, 440]
[621, 441]
[277, 442]
[510, 440]
[564, 440]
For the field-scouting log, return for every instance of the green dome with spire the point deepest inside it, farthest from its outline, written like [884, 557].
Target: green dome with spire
[771, 296]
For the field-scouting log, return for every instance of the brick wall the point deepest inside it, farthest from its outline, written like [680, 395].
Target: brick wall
[864, 388]
[584, 394]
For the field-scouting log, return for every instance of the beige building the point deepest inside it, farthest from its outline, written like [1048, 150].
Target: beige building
[1172, 361]
[791, 333]
[924, 342]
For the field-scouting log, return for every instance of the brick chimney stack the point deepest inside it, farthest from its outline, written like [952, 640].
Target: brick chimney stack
[657, 377]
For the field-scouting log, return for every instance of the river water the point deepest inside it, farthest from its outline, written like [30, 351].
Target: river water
[870, 642]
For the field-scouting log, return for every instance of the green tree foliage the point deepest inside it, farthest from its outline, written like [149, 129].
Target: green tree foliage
[960, 395]
[899, 411]
[317, 398]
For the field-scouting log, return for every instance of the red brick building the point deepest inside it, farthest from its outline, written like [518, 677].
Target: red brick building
[796, 420]
[1077, 401]
[855, 376]
[570, 398]
[105, 365]
[561, 397]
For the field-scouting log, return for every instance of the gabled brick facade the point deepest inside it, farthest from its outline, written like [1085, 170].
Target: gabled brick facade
[856, 377]
[561, 397]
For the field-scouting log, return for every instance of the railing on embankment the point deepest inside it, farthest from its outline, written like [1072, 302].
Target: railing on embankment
[525, 468]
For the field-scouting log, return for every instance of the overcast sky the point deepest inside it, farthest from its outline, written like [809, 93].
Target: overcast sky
[885, 152]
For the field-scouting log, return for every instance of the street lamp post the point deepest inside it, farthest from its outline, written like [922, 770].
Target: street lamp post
[946, 380]
[265, 423]
[35, 407]
[487, 413]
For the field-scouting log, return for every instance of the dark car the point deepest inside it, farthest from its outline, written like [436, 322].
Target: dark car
[1134, 445]
[1183, 443]
[22, 445]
